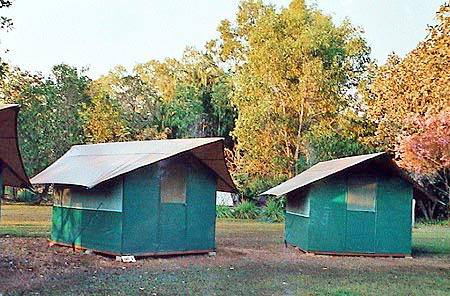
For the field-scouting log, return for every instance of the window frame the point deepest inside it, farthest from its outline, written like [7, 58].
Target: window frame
[303, 195]
[165, 167]
[372, 180]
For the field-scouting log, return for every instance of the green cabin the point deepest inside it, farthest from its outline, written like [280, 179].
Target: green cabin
[138, 198]
[12, 172]
[353, 205]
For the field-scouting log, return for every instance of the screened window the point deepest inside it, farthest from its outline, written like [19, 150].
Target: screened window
[298, 204]
[106, 197]
[173, 181]
[361, 194]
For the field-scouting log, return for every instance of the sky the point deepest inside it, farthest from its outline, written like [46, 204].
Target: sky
[101, 34]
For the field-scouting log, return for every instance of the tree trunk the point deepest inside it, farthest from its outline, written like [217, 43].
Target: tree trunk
[431, 208]
[423, 209]
[299, 131]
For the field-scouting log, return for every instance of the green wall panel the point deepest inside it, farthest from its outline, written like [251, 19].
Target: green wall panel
[328, 215]
[360, 232]
[151, 226]
[141, 209]
[394, 216]
[100, 230]
[332, 228]
[173, 227]
[201, 208]
[296, 230]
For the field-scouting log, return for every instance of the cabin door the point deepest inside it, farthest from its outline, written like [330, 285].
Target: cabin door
[172, 227]
[361, 214]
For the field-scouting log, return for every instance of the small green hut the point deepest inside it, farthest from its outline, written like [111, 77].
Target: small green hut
[138, 198]
[353, 205]
[12, 172]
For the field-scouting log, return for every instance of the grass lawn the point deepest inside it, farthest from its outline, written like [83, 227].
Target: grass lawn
[251, 260]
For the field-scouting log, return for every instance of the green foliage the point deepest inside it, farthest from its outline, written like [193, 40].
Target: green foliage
[50, 121]
[292, 68]
[273, 210]
[252, 186]
[246, 210]
[344, 138]
[135, 103]
[183, 113]
[224, 212]
[102, 119]
[25, 196]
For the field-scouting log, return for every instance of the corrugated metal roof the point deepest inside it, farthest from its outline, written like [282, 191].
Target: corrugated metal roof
[14, 173]
[319, 171]
[89, 165]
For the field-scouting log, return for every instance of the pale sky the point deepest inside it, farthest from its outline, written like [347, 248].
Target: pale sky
[101, 34]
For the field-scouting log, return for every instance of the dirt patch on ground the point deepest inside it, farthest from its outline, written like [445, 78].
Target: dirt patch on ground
[28, 261]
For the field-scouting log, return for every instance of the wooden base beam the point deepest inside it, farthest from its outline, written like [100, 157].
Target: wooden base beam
[149, 254]
[359, 254]
[350, 253]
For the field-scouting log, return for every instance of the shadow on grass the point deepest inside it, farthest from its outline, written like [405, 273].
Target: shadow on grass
[431, 240]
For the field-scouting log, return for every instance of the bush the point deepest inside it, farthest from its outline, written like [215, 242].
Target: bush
[224, 212]
[246, 210]
[273, 210]
[25, 196]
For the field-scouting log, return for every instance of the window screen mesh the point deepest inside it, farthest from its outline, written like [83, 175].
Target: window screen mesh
[105, 198]
[361, 193]
[173, 181]
[298, 203]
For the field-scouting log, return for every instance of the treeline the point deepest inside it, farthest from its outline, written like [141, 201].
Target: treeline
[286, 87]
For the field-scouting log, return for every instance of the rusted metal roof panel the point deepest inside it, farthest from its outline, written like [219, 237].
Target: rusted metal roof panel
[14, 173]
[89, 165]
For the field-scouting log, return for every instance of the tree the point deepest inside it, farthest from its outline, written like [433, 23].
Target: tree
[50, 119]
[292, 69]
[6, 23]
[345, 136]
[138, 102]
[427, 153]
[193, 94]
[102, 119]
[413, 86]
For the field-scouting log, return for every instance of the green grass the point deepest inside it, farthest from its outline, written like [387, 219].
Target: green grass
[25, 221]
[251, 260]
[431, 240]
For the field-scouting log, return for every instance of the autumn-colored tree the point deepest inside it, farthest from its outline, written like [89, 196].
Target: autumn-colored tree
[292, 69]
[415, 85]
[102, 120]
[427, 153]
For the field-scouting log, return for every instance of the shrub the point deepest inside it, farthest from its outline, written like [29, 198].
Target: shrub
[224, 212]
[246, 210]
[273, 210]
[25, 196]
